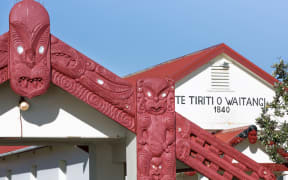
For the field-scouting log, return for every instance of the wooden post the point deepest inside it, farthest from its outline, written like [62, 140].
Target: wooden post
[156, 125]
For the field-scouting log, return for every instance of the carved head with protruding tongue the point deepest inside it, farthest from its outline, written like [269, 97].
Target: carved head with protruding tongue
[155, 91]
[29, 48]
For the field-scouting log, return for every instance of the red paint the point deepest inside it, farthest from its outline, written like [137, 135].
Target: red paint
[275, 167]
[182, 66]
[29, 49]
[229, 136]
[6, 149]
[29, 67]
[155, 130]
[271, 166]
[190, 173]
[4, 50]
[4, 57]
[236, 135]
[30, 71]
[92, 83]
[208, 155]
[252, 136]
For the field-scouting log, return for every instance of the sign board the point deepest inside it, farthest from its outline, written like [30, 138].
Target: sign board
[222, 95]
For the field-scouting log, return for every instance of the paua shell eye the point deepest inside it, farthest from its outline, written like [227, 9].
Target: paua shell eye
[41, 49]
[163, 95]
[100, 81]
[160, 167]
[20, 49]
[149, 94]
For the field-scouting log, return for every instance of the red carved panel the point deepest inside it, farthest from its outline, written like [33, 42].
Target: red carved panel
[29, 48]
[3, 74]
[4, 57]
[92, 83]
[156, 130]
[212, 157]
[4, 50]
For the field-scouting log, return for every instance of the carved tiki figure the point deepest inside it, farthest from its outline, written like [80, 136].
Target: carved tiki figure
[156, 130]
[29, 48]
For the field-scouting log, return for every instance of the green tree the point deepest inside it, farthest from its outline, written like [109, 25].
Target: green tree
[274, 134]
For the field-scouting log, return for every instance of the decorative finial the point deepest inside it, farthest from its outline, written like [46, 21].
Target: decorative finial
[29, 61]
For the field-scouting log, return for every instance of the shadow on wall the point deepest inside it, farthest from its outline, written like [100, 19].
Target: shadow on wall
[48, 160]
[253, 148]
[50, 107]
[44, 109]
[8, 99]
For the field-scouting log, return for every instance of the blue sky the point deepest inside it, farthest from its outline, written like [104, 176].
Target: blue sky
[129, 35]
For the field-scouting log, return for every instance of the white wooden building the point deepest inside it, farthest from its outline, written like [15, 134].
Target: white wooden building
[70, 131]
[67, 139]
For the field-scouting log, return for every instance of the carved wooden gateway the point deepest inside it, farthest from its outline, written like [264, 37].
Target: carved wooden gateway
[31, 58]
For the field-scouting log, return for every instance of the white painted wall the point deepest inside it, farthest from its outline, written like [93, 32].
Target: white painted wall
[254, 151]
[242, 84]
[66, 162]
[55, 114]
[47, 160]
[131, 156]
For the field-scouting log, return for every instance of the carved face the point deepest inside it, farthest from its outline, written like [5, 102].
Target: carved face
[156, 168]
[29, 63]
[252, 136]
[155, 95]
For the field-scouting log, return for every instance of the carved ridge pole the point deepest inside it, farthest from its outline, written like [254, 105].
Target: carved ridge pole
[156, 125]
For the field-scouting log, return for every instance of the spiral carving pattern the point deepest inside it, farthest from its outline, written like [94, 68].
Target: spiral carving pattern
[70, 85]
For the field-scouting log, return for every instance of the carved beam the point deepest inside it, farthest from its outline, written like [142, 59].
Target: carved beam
[4, 57]
[92, 83]
[213, 158]
[155, 130]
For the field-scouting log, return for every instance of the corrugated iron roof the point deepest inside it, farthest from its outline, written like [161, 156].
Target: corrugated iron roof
[178, 68]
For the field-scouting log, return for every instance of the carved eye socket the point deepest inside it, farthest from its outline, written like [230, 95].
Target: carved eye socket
[160, 167]
[153, 166]
[163, 95]
[20, 49]
[149, 94]
[41, 49]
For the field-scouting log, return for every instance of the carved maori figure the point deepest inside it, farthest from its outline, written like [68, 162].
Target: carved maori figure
[156, 130]
[25, 51]
[29, 48]
[250, 133]
[211, 157]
